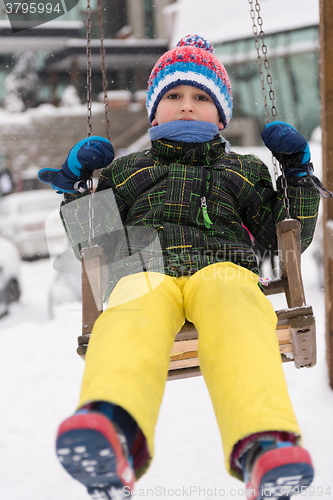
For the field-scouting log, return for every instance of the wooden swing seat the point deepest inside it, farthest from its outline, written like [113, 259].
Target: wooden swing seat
[295, 330]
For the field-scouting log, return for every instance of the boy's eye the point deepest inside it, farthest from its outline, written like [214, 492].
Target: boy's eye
[172, 96]
[202, 97]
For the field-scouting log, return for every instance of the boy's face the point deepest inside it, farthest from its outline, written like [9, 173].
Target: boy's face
[185, 102]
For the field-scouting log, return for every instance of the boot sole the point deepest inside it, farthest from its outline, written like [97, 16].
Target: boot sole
[280, 473]
[89, 450]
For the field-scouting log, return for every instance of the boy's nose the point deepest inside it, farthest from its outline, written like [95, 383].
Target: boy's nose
[187, 106]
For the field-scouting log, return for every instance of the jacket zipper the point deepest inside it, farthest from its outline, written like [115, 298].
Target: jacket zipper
[203, 200]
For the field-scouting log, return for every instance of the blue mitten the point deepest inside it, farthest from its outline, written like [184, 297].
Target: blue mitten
[86, 156]
[289, 147]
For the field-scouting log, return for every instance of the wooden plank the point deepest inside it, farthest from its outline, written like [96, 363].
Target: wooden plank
[288, 235]
[184, 346]
[184, 373]
[92, 288]
[184, 363]
[89, 310]
[193, 361]
[283, 335]
[83, 339]
[303, 337]
[293, 312]
[187, 332]
[326, 93]
[329, 314]
[183, 355]
[277, 285]
[286, 348]
[82, 350]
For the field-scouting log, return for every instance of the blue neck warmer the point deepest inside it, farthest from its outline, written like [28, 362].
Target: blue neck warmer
[184, 131]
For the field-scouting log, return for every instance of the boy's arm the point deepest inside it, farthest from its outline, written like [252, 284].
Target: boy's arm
[292, 150]
[78, 206]
[86, 156]
[264, 209]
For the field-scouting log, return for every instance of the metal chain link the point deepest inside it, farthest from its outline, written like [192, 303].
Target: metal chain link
[104, 77]
[89, 76]
[89, 119]
[89, 97]
[261, 48]
[284, 186]
[264, 51]
[259, 59]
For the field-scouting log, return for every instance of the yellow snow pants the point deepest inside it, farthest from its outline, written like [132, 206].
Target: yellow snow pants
[128, 356]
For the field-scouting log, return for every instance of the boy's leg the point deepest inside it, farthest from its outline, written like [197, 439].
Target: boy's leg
[239, 354]
[128, 355]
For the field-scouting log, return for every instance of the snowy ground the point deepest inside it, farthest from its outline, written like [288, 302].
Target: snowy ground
[40, 375]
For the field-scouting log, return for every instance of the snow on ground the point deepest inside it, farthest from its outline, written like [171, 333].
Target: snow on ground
[45, 110]
[40, 375]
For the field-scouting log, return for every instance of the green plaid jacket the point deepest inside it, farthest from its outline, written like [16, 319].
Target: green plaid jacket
[147, 209]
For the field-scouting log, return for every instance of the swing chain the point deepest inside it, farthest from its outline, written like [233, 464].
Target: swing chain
[89, 98]
[257, 47]
[271, 94]
[284, 186]
[104, 77]
[269, 78]
[258, 32]
[89, 76]
[89, 118]
[257, 28]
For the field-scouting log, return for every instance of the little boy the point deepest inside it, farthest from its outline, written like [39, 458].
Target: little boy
[197, 198]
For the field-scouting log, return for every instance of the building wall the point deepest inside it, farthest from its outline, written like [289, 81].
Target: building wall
[136, 18]
[137, 10]
[293, 58]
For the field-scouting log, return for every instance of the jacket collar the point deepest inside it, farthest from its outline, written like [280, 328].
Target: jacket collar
[203, 153]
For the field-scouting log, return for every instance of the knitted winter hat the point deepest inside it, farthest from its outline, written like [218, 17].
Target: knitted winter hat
[191, 62]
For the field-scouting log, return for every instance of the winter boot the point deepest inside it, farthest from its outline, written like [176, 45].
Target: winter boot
[276, 470]
[93, 450]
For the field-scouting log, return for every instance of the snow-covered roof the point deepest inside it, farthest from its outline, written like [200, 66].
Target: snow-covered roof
[47, 37]
[226, 20]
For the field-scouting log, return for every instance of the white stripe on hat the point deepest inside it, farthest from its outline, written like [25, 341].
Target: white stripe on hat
[195, 77]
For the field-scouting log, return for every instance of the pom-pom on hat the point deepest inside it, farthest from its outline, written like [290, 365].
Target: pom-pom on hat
[191, 62]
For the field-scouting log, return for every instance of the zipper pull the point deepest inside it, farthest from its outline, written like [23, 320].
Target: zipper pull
[206, 218]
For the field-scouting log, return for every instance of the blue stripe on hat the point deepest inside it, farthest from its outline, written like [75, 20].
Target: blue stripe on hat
[186, 68]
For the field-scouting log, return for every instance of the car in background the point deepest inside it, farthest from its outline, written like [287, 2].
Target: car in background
[22, 219]
[10, 289]
[66, 286]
